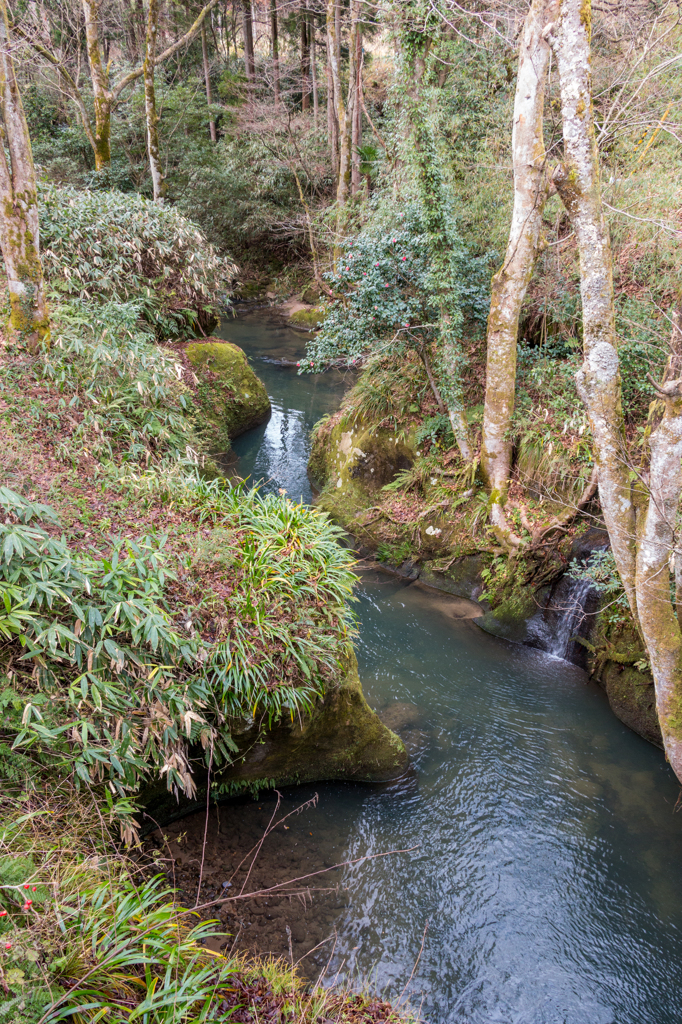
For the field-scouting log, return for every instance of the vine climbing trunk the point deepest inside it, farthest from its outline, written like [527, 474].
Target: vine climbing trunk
[510, 283]
[19, 227]
[102, 96]
[151, 117]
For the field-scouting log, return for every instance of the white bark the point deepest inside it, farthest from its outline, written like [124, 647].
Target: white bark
[510, 283]
[578, 183]
[657, 618]
[151, 117]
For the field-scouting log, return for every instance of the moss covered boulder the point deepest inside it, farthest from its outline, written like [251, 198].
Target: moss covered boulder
[633, 699]
[307, 319]
[341, 739]
[230, 396]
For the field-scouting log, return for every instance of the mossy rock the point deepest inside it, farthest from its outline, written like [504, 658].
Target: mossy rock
[307, 319]
[633, 700]
[230, 396]
[341, 739]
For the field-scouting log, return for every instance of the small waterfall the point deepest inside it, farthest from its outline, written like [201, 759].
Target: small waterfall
[566, 614]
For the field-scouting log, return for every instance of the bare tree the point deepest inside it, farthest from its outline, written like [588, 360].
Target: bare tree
[19, 228]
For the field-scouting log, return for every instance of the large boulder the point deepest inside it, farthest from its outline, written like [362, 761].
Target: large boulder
[633, 699]
[230, 396]
[341, 739]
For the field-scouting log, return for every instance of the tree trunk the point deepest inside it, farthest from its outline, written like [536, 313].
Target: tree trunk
[305, 61]
[313, 70]
[510, 283]
[249, 62]
[19, 227]
[356, 137]
[102, 97]
[155, 168]
[332, 124]
[207, 79]
[659, 623]
[275, 49]
[346, 122]
[578, 183]
[333, 20]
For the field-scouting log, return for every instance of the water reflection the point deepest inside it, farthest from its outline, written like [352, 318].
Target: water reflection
[277, 452]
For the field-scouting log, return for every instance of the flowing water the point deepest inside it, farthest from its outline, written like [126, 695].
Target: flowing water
[544, 853]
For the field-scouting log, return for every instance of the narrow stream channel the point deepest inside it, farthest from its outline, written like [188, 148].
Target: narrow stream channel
[545, 854]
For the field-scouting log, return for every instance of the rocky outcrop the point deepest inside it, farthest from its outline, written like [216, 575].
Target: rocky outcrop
[341, 739]
[632, 700]
[230, 396]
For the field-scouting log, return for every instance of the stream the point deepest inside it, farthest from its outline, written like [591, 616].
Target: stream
[544, 854]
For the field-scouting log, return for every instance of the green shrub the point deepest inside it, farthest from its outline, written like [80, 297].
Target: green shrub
[114, 245]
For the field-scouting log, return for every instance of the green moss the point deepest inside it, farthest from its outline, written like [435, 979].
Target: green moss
[308, 318]
[633, 700]
[230, 396]
[342, 739]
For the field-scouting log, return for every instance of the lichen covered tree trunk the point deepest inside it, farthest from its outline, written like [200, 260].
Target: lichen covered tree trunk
[151, 117]
[19, 227]
[642, 541]
[102, 97]
[510, 283]
[578, 182]
[658, 621]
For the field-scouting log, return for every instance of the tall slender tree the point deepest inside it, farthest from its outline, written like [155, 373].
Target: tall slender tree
[151, 116]
[305, 59]
[641, 510]
[249, 58]
[510, 283]
[274, 38]
[207, 79]
[19, 227]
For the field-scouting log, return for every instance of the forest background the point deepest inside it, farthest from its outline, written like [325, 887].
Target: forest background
[371, 159]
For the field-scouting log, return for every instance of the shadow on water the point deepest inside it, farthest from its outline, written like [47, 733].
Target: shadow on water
[547, 851]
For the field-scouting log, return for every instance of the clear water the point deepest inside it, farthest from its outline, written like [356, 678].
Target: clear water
[546, 852]
[276, 453]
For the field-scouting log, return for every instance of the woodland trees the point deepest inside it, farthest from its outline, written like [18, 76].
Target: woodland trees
[459, 138]
[19, 227]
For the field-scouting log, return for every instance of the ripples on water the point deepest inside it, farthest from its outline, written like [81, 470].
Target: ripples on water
[548, 852]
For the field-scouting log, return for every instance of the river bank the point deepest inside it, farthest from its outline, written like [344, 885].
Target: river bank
[543, 830]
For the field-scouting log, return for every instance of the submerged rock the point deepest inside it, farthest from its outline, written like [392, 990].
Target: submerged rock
[341, 739]
[231, 397]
